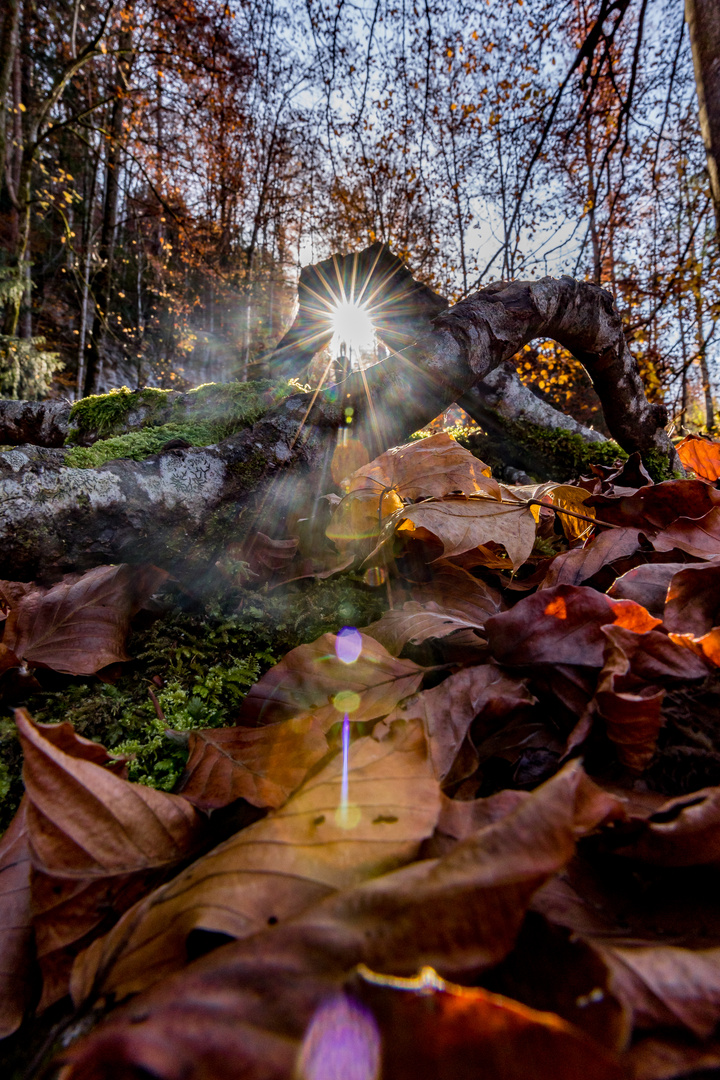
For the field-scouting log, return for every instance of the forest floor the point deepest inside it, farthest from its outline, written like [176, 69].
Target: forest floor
[430, 789]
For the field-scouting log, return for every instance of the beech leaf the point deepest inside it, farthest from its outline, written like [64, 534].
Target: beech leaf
[79, 625]
[273, 869]
[434, 466]
[700, 455]
[311, 677]
[561, 625]
[97, 842]
[464, 524]
[263, 765]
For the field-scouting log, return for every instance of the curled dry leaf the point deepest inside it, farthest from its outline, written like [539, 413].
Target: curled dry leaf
[434, 467]
[683, 832]
[448, 710]
[97, 842]
[79, 625]
[263, 765]
[17, 967]
[460, 913]
[646, 584]
[664, 1057]
[571, 497]
[16, 938]
[280, 865]
[706, 647]
[415, 623]
[657, 506]
[698, 537]
[310, 678]
[665, 986]
[693, 599]
[465, 524]
[630, 709]
[577, 565]
[263, 555]
[452, 600]
[562, 625]
[700, 455]
[432, 1028]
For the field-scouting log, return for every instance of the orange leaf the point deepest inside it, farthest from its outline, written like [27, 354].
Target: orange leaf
[700, 455]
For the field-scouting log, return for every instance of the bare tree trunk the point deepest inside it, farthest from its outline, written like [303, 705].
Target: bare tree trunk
[703, 19]
[103, 290]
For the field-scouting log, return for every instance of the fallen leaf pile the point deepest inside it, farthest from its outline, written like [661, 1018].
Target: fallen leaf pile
[477, 837]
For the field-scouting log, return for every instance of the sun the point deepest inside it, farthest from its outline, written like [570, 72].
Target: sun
[353, 328]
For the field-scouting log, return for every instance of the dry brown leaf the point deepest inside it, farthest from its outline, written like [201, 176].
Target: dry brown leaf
[700, 455]
[571, 497]
[432, 1029]
[16, 938]
[448, 710]
[311, 677]
[79, 625]
[452, 600]
[97, 842]
[561, 626]
[707, 647]
[665, 986]
[693, 599]
[280, 865]
[630, 709]
[461, 914]
[684, 832]
[698, 537]
[454, 588]
[577, 565]
[263, 765]
[416, 623]
[426, 467]
[658, 505]
[662, 1057]
[465, 524]
[647, 585]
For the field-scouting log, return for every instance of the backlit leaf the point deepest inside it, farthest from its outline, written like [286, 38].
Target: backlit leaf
[275, 868]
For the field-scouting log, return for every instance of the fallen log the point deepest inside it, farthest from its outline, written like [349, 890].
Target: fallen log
[177, 508]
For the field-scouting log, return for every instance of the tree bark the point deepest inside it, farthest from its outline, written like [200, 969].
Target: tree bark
[178, 508]
[703, 19]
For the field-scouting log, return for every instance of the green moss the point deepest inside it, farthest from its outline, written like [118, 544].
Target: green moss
[658, 465]
[202, 417]
[555, 454]
[138, 444]
[105, 413]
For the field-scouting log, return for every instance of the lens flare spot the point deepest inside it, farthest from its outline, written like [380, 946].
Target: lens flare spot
[348, 816]
[352, 327]
[375, 576]
[342, 1042]
[346, 701]
[348, 644]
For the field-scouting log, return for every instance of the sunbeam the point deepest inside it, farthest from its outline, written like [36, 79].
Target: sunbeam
[352, 328]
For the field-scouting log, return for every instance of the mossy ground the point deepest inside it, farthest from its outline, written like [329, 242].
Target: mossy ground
[202, 417]
[199, 663]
